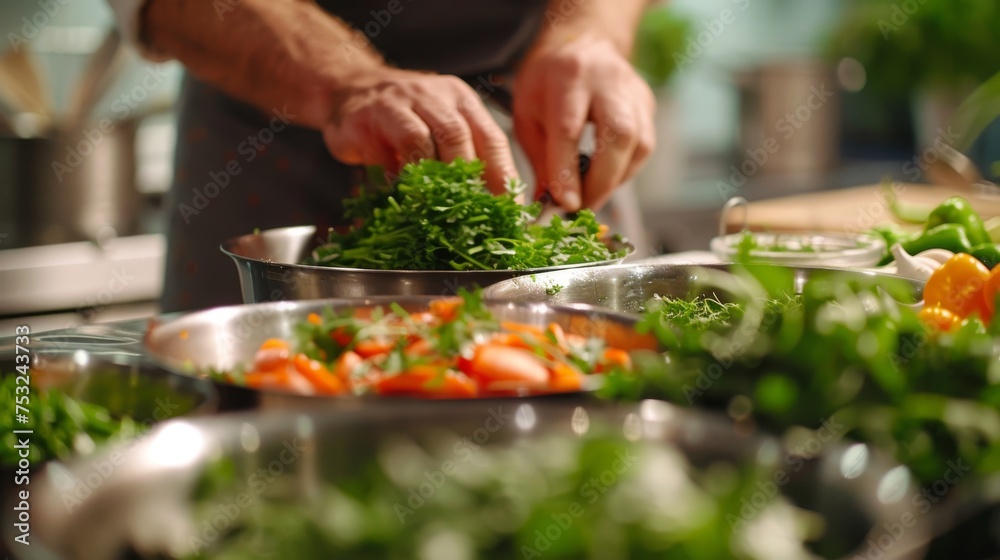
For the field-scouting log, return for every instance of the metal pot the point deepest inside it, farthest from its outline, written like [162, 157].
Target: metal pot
[789, 118]
[71, 186]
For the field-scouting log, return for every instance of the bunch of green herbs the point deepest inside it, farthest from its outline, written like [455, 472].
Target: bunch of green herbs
[440, 216]
[847, 354]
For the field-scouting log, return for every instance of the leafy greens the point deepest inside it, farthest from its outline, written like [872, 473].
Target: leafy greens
[440, 216]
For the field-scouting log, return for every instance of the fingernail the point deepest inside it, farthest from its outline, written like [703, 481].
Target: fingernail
[571, 201]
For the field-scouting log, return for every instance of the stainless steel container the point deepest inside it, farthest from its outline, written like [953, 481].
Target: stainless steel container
[269, 271]
[78, 186]
[789, 118]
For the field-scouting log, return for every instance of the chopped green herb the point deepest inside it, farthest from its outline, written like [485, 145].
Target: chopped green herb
[440, 216]
[61, 425]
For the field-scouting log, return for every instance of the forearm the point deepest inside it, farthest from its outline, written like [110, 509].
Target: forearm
[613, 20]
[270, 53]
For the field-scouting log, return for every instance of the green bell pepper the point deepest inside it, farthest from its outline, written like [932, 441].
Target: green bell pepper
[952, 237]
[891, 235]
[987, 253]
[957, 210]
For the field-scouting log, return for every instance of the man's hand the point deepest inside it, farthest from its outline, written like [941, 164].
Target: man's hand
[391, 117]
[564, 83]
[292, 54]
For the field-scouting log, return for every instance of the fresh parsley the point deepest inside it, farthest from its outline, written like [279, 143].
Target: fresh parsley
[440, 216]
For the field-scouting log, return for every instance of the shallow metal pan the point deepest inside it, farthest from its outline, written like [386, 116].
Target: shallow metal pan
[269, 271]
[146, 505]
[227, 337]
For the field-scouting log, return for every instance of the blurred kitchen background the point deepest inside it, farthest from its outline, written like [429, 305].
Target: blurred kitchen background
[761, 98]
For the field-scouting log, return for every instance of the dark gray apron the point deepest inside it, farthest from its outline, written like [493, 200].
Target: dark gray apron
[238, 168]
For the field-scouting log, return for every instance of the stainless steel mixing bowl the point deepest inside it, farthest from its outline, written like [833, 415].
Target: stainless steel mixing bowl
[269, 271]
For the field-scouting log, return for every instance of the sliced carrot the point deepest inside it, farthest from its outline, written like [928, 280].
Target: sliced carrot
[373, 347]
[612, 358]
[275, 379]
[427, 381]
[446, 309]
[314, 318]
[421, 347]
[522, 328]
[316, 373]
[602, 230]
[346, 364]
[492, 363]
[565, 378]
[270, 358]
[275, 343]
[513, 340]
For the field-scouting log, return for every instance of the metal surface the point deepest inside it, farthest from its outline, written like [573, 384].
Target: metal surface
[145, 504]
[789, 118]
[268, 269]
[81, 276]
[227, 337]
[627, 288]
[90, 195]
[126, 387]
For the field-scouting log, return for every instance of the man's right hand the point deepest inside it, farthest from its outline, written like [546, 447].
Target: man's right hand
[391, 117]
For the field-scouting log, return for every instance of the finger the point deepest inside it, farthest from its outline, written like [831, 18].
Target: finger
[451, 134]
[566, 116]
[491, 145]
[346, 142]
[404, 132]
[617, 135]
[531, 136]
[644, 149]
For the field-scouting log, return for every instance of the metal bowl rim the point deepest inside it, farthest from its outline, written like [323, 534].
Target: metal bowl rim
[225, 248]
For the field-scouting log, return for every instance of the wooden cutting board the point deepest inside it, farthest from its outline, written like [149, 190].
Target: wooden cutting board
[848, 210]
